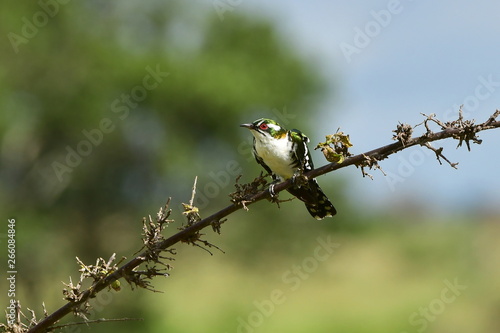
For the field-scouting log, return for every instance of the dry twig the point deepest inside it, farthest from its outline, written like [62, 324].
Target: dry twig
[105, 274]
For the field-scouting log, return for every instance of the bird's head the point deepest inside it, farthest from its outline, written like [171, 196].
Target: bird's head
[266, 128]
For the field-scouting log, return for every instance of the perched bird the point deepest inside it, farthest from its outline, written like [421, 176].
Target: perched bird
[284, 154]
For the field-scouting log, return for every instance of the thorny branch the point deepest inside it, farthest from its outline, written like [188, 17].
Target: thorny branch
[105, 274]
[193, 216]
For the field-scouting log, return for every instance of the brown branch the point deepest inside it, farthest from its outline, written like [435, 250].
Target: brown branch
[458, 130]
[383, 152]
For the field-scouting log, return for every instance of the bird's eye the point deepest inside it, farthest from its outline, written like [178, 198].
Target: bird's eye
[263, 126]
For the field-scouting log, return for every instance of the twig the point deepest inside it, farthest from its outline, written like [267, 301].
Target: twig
[194, 191]
[459, 130]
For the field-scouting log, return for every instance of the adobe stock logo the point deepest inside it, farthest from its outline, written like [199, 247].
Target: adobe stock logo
[219, 180]
[486, 87]
[120, 110]
[363, 36]
[32, 25]
[427, 314]
[292, 280]
[222, 6]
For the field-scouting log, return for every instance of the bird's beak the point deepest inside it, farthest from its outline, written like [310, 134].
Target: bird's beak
[249, 126]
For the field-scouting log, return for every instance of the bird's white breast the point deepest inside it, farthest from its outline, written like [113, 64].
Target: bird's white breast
[276, 153]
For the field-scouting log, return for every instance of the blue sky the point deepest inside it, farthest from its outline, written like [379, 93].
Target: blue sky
[415, 56]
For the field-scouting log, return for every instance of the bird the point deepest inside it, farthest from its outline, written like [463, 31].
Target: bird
[284, 154]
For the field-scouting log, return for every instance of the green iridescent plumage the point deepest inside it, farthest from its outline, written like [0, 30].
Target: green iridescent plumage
[284, 154]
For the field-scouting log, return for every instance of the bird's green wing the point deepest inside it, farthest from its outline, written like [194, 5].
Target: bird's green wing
[301, 151]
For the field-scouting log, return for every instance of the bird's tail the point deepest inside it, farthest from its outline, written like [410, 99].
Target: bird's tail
[317, 203]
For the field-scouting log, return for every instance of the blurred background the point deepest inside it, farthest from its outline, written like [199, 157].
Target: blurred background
[108, 109]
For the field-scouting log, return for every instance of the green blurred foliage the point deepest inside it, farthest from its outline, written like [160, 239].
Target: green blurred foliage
[110, 108]
[86, 76]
